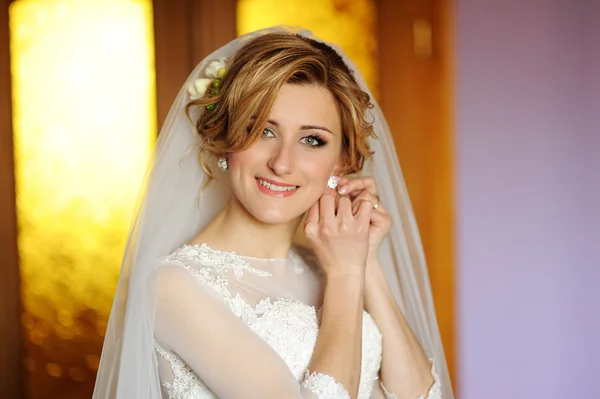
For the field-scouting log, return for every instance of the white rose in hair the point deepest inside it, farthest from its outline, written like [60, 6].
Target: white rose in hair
[198, 87]
[212, 71]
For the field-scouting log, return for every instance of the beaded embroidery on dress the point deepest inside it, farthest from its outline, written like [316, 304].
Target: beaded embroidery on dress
[277, 299]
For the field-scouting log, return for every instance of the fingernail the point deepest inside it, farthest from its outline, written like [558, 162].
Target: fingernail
[343, 189]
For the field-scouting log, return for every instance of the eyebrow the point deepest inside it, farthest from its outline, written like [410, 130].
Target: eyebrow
[304, 127]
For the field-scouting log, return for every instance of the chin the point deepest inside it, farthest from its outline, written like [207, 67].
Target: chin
[275, 216]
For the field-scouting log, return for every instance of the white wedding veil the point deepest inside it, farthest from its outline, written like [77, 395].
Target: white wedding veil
[170, 212]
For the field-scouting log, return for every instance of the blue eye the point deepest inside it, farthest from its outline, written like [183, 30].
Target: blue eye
[314, 141]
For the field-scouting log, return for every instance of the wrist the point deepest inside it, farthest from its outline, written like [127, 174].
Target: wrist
[348, 290]
[375, 280]
[346, 281]
[345, 276]
[373, 269]
[372, 259]
[373, 254]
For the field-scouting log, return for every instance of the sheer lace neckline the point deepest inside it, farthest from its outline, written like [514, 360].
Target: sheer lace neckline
[205, 247]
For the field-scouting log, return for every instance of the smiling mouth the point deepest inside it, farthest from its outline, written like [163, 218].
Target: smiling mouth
[274, 187]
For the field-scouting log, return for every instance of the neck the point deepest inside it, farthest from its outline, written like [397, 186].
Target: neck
[234, 229]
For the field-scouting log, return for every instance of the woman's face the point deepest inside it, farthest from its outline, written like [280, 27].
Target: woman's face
[286, 171]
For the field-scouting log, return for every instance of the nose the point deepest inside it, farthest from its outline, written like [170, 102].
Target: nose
[282, 159]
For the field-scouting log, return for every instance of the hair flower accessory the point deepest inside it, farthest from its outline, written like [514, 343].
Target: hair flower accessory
[198, 87]
[216, 69]
[214, 72]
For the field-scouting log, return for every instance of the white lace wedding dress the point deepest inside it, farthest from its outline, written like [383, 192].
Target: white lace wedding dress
[230, 326]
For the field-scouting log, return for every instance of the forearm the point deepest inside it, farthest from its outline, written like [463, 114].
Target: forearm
[405, 368]
[339, 344]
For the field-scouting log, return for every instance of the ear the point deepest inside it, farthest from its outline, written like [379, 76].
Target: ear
[338, 167]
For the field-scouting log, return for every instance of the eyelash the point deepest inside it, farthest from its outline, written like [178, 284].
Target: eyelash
[317, 138]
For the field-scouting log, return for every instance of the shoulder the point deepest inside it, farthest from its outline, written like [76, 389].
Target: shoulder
[210, 267]
[202, 256]
[193, 268]
[176, 282]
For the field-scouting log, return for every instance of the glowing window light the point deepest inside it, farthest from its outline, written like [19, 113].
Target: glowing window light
[348, 23]
[84, 118]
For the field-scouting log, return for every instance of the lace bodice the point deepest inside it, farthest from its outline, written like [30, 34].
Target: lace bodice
[260, 316]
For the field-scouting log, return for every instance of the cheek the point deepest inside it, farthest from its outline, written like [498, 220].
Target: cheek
[318, 170]
[242, 158]
[242, 162]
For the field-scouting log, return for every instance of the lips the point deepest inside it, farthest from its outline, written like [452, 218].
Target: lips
[274, 188]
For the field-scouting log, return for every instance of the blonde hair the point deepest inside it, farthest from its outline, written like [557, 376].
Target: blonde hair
[254, 76]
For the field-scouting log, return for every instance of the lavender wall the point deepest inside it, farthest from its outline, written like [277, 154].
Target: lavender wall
[528, 205]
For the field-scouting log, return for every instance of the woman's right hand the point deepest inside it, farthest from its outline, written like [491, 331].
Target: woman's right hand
[339, 238]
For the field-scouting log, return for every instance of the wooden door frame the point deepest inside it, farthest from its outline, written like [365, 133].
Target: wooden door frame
[416, 96]
[11, 346]
[185, 32]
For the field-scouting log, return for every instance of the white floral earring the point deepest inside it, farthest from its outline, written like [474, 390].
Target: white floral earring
[332, 182]
[222, 163]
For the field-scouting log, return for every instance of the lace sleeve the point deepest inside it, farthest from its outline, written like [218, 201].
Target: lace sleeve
[435, 392]
[194, 323]
[324, 386]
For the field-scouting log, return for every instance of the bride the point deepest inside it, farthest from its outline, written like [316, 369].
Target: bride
[262, 262]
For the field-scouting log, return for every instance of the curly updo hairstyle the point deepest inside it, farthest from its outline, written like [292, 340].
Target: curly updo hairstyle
[253, 78]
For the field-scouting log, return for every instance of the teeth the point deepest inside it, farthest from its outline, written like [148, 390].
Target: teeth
[273, 187]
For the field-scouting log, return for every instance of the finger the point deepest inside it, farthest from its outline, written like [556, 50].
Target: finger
[366, 196]
[380, 206]
[326, 208]
[380, 220]
[359, 183]
[358, 191]
[358, 194]
[343, 180]
[364, 211]
[336, 197]
[356, 204]
[313, 214]
[345, 208]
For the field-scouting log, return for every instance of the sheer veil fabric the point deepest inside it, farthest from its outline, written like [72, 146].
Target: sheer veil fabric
[170, 211]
